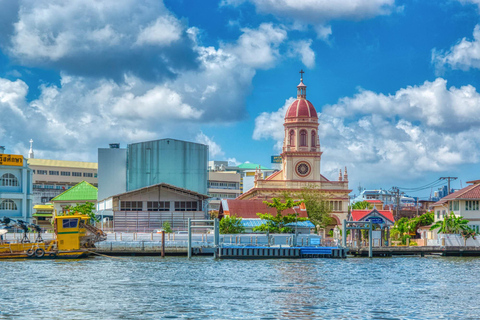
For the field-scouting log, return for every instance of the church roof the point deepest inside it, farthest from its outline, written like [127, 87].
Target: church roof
[301, 108]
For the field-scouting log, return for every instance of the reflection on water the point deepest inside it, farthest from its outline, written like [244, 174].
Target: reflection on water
[174, 287]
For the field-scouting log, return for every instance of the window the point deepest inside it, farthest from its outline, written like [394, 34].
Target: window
[8, 205]
[53, 173]
[70, 223]
[291, 138]
[94, 175]
[303, 138]
[186, 206]
[456, 205]
[41, 171]
[471, 205]
[65, 173]
[88, 174]
[9, 180]
[313, 139]
[438, 214]
[158, 205]
[76, 174]
[131, 206]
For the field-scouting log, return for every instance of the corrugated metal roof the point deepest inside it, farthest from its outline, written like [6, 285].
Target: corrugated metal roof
[250, 208]
[358, 215]
[82, 191]
[62, 163]
[252, 166]
[43, 207]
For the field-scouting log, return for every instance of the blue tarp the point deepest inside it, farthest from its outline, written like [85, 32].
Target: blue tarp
[250, 223]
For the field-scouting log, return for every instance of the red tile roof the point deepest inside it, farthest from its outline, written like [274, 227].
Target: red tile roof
[374, 201]
[358, 215]
[469, 192]
[250, 208]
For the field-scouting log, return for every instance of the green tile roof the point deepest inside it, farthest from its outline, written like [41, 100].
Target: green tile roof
[83, 191]
[252, 166]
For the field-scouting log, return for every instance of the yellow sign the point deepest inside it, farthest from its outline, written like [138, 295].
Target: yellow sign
[11, 160]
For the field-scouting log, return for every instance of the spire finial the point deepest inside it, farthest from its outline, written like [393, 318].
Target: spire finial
[301, 88]
[30, 152]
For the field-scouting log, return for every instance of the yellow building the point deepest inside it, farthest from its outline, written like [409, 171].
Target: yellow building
[52, 177]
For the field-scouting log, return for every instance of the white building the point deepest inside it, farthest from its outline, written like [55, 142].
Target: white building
[15, 187]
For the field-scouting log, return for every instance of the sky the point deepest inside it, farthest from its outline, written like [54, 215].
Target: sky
[396, 83]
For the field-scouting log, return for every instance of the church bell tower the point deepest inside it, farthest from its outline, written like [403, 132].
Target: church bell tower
[301, 147]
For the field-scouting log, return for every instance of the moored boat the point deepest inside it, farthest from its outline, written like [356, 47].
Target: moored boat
[74, 238]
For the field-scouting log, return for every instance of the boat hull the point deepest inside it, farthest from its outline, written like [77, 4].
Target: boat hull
[39, 250]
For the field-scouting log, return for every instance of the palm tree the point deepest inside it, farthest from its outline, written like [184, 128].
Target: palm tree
[452, 224]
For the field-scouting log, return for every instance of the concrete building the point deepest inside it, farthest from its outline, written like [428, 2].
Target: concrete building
[222, 185]
[146, 209]
[16, 188]
[52, 177]
[112, 171]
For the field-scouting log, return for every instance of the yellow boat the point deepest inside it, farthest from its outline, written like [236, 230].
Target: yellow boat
[74, 238]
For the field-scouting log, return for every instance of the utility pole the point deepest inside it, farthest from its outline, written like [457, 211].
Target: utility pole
[396, 192]
[448, 182]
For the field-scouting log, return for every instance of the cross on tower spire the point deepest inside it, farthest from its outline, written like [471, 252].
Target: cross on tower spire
[301, 74]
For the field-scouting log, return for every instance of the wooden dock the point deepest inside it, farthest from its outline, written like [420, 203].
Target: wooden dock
[416, 251]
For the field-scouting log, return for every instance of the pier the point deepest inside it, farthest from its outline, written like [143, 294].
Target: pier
[416, 251]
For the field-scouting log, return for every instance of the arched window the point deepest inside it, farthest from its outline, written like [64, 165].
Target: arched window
[9, 180]
[8, 205]
[291, 138]
[303, 138]
[313, 139]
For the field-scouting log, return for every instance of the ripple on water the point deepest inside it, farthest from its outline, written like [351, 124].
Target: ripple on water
[178, 288]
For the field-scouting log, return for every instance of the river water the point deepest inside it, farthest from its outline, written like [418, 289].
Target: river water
[200, 288]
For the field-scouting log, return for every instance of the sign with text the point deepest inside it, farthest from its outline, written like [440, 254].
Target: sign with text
[11, 160]
[376, 220]
[276, 159]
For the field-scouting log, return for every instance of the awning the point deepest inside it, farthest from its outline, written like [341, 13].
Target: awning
[48, 215]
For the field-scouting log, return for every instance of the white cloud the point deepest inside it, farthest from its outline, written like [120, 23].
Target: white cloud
[303, 50]
[214, 150]
[319, 12]
[258, 48]
[464, 55]
[476, 2]
[87, 37]
[427, 128]
[163, 31]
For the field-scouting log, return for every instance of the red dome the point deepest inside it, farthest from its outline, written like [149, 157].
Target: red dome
[301, 108]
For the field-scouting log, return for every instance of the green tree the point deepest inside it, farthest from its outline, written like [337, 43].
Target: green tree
[86, 209]
[318, 208]
[166, 227]
[231, 224]
[278, 223]
[361, 205]
[405, 228]
[451, 224]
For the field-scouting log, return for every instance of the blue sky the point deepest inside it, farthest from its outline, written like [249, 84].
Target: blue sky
[396, 83]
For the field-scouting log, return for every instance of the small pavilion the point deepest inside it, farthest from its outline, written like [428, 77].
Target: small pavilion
[382, 220]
